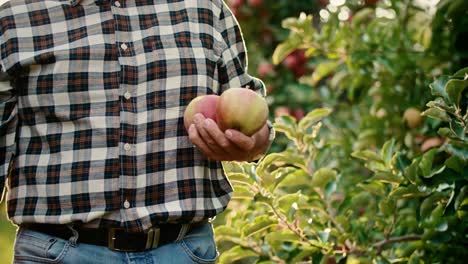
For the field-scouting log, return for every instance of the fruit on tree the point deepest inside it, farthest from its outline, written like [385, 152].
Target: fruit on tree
[431, 143]
[295, 62]
[204, 104]
[282, 111]
[298, 113]
[265, 69]
[241, 109]
[413, 117]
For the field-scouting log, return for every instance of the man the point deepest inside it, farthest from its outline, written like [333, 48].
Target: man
[98, 165]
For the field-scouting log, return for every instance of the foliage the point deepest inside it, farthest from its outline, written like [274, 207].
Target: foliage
[363, 178]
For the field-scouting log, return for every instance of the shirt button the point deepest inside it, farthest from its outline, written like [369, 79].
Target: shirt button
[117, 3]
[123, 46]
[127, 147]
[127, 95]
[126, 204]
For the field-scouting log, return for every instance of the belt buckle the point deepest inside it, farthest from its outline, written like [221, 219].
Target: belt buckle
[152, 239]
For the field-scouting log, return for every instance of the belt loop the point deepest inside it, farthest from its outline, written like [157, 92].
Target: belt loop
[75, 236]
[182, 232]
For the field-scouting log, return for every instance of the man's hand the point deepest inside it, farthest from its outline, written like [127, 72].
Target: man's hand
[229, 145]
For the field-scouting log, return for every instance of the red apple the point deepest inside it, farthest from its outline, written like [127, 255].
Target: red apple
[431, 143]
[265, 69]
[204, 104]
[242, 109]
[298, 113]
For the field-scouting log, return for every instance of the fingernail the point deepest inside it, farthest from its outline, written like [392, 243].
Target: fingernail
[229, 134]
[191, 127]
[207, 122]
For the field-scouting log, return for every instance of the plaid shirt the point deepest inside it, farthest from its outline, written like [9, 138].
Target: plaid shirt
[91, 109]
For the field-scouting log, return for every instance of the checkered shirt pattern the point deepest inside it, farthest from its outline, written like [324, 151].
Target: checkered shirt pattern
[92, 96]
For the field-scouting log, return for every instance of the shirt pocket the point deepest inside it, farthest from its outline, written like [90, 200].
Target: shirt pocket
[182, 64]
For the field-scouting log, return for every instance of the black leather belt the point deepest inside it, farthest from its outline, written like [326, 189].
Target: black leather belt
[117, 238]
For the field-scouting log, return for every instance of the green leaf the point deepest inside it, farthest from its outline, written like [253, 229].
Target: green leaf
[426, 162]
[313, 117]
[277, 160]
[429, 203]
[411, 172]
[226, 231]
[367, 155]
[388, 177]
[286, 201]
[259, 224]
[281, 173]
[387, 152]
[242, 192]
[322, 177]
[288, 46]
[373, 187]
[438, 87]
[458, 149]
[287, 125]
[387, 206]
[454, 89]
[461, 197]
[455, 163]
[282, 236]
[461, 73]
[437, 114]
[238, 253]
[406, 192]
[324, 69]
[240, 178]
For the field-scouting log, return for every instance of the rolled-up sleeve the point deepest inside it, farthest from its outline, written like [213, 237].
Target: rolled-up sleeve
[8, 122]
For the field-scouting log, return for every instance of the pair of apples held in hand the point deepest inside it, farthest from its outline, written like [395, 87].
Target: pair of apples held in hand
[237, 108]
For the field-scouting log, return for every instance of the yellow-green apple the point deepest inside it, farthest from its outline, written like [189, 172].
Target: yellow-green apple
[242, 109]
[413, 117]
[204, 104]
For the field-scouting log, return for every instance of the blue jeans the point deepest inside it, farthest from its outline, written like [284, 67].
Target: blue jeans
[197, 246]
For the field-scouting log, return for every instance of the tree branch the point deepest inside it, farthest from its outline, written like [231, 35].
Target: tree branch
[392, 240]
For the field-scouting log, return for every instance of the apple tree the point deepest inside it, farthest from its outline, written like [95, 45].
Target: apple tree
[376, 171]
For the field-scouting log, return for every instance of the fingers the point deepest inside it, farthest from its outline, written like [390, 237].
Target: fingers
[242, 141]
[217, 145]
[202, 146]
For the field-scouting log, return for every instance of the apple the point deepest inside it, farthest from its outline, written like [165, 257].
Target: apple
[431, 143]
[282, 111]
[204, 104]
[413, 117]
[298, 113]
[241, 109]
[265, 69]
[295, 62]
